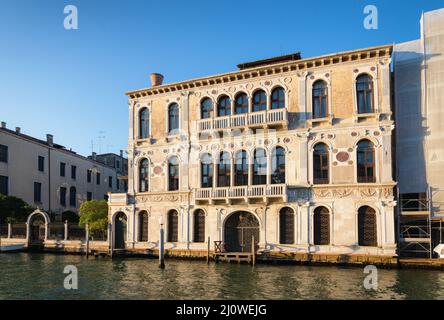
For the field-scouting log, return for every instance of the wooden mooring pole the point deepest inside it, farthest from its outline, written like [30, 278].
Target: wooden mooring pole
[87, 240]
[253, 251]
[161, 248]
[208, 251]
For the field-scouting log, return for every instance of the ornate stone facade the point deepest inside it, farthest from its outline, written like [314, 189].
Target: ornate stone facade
[292, 128]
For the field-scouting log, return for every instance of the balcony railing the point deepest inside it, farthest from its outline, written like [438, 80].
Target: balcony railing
[242, 192]
[267, 117]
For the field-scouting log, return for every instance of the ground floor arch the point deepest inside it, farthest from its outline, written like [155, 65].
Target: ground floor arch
[239, 229]
[120, 230]
[38, 224]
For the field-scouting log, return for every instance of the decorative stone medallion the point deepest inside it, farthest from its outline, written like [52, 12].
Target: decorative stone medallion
[342, 156]
[157, 170]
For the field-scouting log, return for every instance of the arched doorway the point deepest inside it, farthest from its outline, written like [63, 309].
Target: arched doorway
[37, 230]
[240, 227]
[120, 223]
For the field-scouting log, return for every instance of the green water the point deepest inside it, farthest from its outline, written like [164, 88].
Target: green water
[40, 276]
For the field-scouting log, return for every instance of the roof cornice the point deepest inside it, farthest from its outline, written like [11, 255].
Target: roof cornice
[298, 65]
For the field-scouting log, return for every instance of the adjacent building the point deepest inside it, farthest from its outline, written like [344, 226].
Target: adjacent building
[292, 153]
[51, 177]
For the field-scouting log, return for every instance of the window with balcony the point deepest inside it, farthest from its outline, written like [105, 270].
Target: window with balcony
[286, 226]
[173, 226]
[199, 226]
[321, 226]
[224, 106]
[173, 118]
[259, 101]
[144, 175]
[73, 197]
[278, 165]
[278, 98]
[241, 168]
[241, 103]
[173, 174]
[367, 228]
[144, 123]
[320, 99]
[206, 170]
[260, 167]
[224, 170]
[366, 161]
[364, 94]
[320, 164]
[206, 109]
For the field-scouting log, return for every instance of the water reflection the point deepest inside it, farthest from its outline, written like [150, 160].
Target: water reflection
[38, 276]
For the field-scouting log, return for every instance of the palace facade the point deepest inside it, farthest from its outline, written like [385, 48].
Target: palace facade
[293, 153]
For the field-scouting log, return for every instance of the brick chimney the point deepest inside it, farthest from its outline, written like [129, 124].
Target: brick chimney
[50, 139]
[156, 79]
[94, 156]
[3, 125]
[121, 153]
[17, 129]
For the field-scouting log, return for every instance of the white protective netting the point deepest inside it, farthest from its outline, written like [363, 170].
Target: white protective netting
[419, 99]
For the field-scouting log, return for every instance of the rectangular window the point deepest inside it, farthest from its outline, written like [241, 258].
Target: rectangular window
[3, 153]
[62, 169]
[41, 163]
[117, 184]
[98, 178]
[89, 196]
[105, 197]
[110, 181]
[63, 196]
[88, 176]
[37, 192]
[4, 184]
[73, 172]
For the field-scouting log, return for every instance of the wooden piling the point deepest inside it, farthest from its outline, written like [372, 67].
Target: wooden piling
[87, 240]
[208, 251]
[161, 249]
[253, 251]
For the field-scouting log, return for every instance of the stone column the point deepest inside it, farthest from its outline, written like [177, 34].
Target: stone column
[66, 230]
[9, 230]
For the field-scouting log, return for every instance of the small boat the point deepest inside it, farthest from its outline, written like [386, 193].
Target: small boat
[12, 247]
[439, 249]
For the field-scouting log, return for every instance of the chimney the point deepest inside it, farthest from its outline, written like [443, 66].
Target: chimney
[50, 139]
[3, 125]
[121, 153]
[156, 79]
[17, 129]
[94, 156]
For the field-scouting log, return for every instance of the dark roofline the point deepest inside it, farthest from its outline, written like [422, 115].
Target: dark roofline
[288, 57]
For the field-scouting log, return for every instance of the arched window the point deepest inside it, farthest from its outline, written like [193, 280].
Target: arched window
[259, 101]
[321, 226]
[278, 98]
[173, 118]
[224, 170]
[241, 103]
[367, 232]
[224, 106]
[278, 165]
[173, 174]
[366, 161]
[206, 108]
[206, 171]
[73, 197]
[320, 164]
[144, 123]
[144, 175]
[173, 226]
[320, 99]
[260, 167]
[286, 226]
[364, 93]
[199, 226]
[143, 226]
[241, 168]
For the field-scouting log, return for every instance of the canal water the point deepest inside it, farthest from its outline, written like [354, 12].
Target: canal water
[40, 276]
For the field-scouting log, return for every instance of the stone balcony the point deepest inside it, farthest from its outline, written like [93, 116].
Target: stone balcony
[247, 194]
[117, 198]
[267, 118]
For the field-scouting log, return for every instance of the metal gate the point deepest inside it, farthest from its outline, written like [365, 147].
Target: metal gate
[240, 227]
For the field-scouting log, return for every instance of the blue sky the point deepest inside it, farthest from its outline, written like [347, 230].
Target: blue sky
[72, 83]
